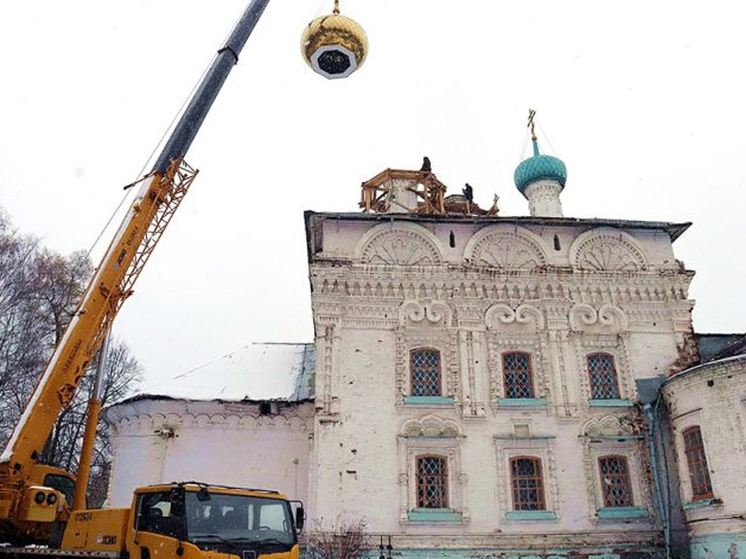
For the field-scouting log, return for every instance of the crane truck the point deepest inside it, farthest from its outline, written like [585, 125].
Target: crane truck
[40, 504]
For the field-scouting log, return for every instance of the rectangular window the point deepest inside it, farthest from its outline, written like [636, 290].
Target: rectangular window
[615, 481]
[161, 513]
[425, 369]
[432, 482]
[527, 482]
[602, 376]
[517, 375]
[695, 456]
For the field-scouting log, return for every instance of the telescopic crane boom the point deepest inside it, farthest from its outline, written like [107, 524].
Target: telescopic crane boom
[22, 517]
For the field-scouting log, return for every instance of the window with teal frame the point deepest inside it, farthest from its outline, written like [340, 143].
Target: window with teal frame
[425, 372]
[432, 482]
[615, 481]
[517, 375]
[528, 484]
[602, 376]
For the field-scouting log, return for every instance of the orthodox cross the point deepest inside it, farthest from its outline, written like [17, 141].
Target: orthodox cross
[531, 123]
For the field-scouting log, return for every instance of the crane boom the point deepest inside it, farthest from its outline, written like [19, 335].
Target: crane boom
[159, 196]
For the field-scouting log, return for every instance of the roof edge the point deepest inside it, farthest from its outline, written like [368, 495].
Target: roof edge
[674, 230]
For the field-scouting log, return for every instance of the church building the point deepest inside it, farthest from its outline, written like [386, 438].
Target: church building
[478, 386]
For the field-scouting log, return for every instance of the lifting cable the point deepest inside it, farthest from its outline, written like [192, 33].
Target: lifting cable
[141, 174]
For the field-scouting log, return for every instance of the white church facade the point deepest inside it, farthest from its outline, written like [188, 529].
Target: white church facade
[479, 386]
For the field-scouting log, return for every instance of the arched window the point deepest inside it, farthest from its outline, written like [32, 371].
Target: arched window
[424, 364]
[699, 474]
[517, 375]
[615, 481]
[602, 376]
[432, 482]
[527, 482]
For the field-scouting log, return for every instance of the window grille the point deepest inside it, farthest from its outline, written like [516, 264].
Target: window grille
[425, 369]
[528, 486]
[432, 482]
[616, 485]
[603, 377]
[517, 375]
[695, 457]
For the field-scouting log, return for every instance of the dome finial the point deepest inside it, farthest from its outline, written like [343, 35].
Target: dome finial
[531, 125]
[335, 11]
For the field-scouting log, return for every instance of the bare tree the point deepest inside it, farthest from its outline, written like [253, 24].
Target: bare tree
[122, 374]
[345, 540]
[39, 292]
[24, 336]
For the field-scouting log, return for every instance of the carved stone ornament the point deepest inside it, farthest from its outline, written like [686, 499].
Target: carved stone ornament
[607, 250]
[431, 426]
[400, 246]
[500, 316]
[505, 250]
[425, 312]
[608, 426]
[608, 318]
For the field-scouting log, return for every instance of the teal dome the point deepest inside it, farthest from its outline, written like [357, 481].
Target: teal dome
[537, 168]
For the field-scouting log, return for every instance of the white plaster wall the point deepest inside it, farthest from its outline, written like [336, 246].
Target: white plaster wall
[221, 443]
[713, 396]
[342, 236]
[640, 316]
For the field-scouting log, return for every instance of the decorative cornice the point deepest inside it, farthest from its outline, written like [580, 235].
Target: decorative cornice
[150, 422]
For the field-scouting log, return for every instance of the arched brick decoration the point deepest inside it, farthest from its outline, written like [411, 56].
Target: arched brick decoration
[607, 250]
[512, 248]
[402, 244]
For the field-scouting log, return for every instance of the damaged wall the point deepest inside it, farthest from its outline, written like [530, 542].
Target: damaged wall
[157, 440]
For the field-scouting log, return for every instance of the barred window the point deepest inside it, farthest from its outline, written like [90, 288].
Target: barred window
[432, 482]
[695, 456]
[602, 376]
[615, 481]
[517, 375]
[425, 369]
[527, 482]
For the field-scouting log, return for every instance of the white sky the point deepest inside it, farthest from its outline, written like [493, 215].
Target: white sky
[642, 100]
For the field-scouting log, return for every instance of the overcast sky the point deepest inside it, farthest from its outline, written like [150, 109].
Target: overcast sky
[644, 101]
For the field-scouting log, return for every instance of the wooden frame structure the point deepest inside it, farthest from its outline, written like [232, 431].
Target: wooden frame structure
[429, 191]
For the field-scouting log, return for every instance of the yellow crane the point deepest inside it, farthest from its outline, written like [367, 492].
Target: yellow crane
[39, 503]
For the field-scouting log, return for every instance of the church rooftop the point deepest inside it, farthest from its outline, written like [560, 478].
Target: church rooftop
[255, 373]
[674, 230]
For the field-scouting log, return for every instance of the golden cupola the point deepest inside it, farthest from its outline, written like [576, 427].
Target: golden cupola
[334, 45]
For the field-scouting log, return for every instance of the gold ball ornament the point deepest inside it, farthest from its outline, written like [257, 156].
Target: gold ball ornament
[334, 46]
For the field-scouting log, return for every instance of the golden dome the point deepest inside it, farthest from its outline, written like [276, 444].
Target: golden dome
[334, 46]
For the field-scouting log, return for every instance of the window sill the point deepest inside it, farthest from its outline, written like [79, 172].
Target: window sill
[611, 403]
[429, 400]
[531, 515]
[522, 402]
[622, 513]
[701, 503]
[434, 515]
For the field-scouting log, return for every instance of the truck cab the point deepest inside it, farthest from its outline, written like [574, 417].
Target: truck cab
[194, 521]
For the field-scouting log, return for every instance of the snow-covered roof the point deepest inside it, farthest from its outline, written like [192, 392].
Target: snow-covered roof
[260, 371]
